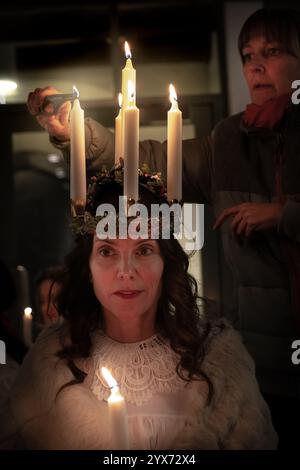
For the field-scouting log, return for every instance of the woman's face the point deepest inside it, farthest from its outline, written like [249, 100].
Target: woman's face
[268, 69]
[126, 276]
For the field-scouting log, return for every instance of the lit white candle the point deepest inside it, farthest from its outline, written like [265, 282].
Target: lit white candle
[27, 326]
[174, 170]
[128, 73]
[78, 172]
[117, 413]
[118, 133]
[131, 119]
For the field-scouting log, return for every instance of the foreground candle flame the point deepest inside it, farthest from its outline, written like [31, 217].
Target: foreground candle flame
[117, 413]
[120, 99]
[127, 51]
[112, 383]
[173, 94]
[75, 90]
[115, 395]
[27, 312]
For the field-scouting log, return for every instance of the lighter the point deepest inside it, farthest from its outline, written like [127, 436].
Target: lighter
[54, 102]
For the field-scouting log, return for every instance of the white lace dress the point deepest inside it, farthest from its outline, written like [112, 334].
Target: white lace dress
[159, 404]
[163, 411]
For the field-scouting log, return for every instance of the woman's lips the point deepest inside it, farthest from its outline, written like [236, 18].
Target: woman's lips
[262, 86]
[128, 294]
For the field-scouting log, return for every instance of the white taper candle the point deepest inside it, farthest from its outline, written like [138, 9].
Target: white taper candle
[174, 166]
[78, 171]
[117, 413]
[131, 146]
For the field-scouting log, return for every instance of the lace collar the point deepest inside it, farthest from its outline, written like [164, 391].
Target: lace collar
[141, 369]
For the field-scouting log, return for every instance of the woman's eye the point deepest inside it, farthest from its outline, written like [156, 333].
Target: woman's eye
[105, 252]
[246, 56]
[145, 250]
[273, 51]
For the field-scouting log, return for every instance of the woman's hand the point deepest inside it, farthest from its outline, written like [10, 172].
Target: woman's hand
[57, 125]
[251, 216]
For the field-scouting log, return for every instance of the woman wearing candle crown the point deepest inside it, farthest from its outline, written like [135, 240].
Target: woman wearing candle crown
[130, 305]
[248, 170]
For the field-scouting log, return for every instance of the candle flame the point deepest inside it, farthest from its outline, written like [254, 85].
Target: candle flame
[127, 50]
[112, 383]
[27, 311]
[131, 90]
[75, 90]
[173, 94]
[120, 99]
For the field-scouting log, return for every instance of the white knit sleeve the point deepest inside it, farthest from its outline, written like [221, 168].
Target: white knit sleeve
[237, 414]
[37, 417]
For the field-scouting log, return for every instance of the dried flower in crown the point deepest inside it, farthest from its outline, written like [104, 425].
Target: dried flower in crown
[87, 223]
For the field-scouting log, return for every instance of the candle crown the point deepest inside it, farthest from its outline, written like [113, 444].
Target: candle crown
[112, 181]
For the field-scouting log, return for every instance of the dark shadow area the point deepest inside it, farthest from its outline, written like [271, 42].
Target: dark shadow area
[43, 235]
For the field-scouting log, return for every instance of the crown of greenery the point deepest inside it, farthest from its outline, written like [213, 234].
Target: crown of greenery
[87, 222]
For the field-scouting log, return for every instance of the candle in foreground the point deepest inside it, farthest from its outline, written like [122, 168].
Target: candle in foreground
[118, 133]
[78, 172]
[117, 413]
[131, 118]
[27, 326]
[174, 171]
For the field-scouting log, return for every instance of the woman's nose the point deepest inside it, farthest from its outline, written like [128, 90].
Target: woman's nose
[126, 268]
[257, 65]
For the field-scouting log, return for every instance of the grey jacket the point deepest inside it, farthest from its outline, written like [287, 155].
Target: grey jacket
[227, 168]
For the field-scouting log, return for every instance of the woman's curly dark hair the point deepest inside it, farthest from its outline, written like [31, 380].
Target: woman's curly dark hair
[178, 315]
